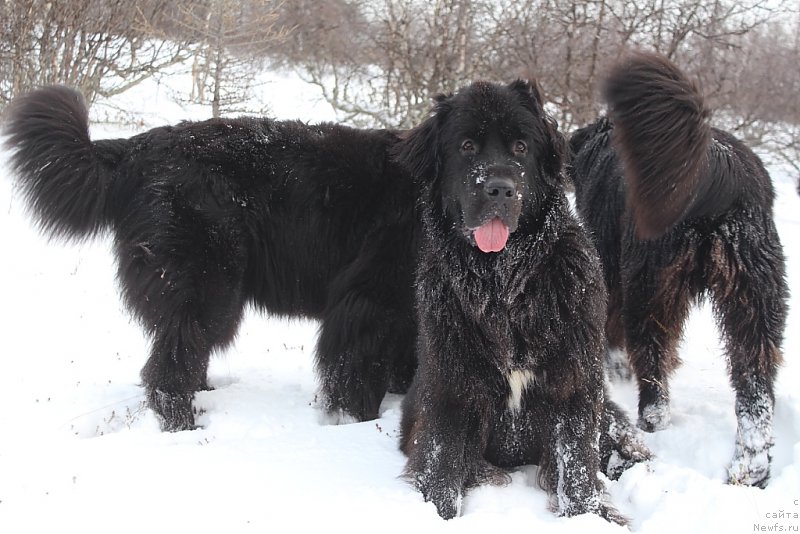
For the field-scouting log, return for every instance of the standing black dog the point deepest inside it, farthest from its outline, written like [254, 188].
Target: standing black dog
[208, 217]
[511, 304]
[681, 210]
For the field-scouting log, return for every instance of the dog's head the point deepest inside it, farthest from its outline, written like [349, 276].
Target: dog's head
[487, 156]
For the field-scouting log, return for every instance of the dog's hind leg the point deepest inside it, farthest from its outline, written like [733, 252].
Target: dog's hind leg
[657, 299]
[176, 369]
[179, 357]
[189, 299]
[749, 292]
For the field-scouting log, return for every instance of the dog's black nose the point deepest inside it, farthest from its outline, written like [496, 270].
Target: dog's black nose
[500, 189]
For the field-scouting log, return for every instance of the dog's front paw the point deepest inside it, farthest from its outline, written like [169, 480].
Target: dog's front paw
[594, 505]
[611, 514]
[445, 493]
[627, 451]
[447, 499]
[621, 446]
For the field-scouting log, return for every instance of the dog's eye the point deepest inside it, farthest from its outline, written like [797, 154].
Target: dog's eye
[468, 147]
[520, 148]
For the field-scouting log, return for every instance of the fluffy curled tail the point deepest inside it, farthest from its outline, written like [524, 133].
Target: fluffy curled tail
[64, 177]
[662, 135]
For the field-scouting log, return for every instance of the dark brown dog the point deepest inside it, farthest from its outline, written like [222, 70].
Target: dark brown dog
[681, 211]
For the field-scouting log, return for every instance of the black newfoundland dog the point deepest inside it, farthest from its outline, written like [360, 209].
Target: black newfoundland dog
[208, 217]
[511, 307]
[682, 211]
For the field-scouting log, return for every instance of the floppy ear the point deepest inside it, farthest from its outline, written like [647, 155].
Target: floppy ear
[555, 150]
[530, 92]
[418, 150]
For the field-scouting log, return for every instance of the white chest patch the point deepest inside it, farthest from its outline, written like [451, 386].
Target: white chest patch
[518, 381]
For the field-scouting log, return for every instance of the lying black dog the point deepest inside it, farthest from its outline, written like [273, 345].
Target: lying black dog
[511, 304]
[690, 216]
[209, 217]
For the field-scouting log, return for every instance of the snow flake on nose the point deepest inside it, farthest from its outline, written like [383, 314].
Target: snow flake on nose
[478, 173]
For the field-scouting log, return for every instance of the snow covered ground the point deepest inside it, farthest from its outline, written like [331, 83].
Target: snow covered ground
[79, 452]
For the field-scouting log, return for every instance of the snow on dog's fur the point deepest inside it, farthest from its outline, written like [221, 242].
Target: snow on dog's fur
[681, 211]
[511, 304]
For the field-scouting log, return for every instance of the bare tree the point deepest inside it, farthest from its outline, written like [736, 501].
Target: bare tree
[378, 62]
[101, 47]
[574, 79]
[229, 40]
[763, 85]
[407, 51]
[403, 52]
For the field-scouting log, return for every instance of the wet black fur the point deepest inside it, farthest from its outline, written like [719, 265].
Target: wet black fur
[208, 217]
[723, 243]
[537, 306]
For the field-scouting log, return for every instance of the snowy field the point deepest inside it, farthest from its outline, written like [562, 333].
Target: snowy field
[80, 453]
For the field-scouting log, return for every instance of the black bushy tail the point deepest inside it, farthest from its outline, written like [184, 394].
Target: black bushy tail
[662, 135]
[63, 175]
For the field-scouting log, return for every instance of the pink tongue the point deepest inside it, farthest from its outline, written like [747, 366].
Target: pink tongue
[492, 236]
